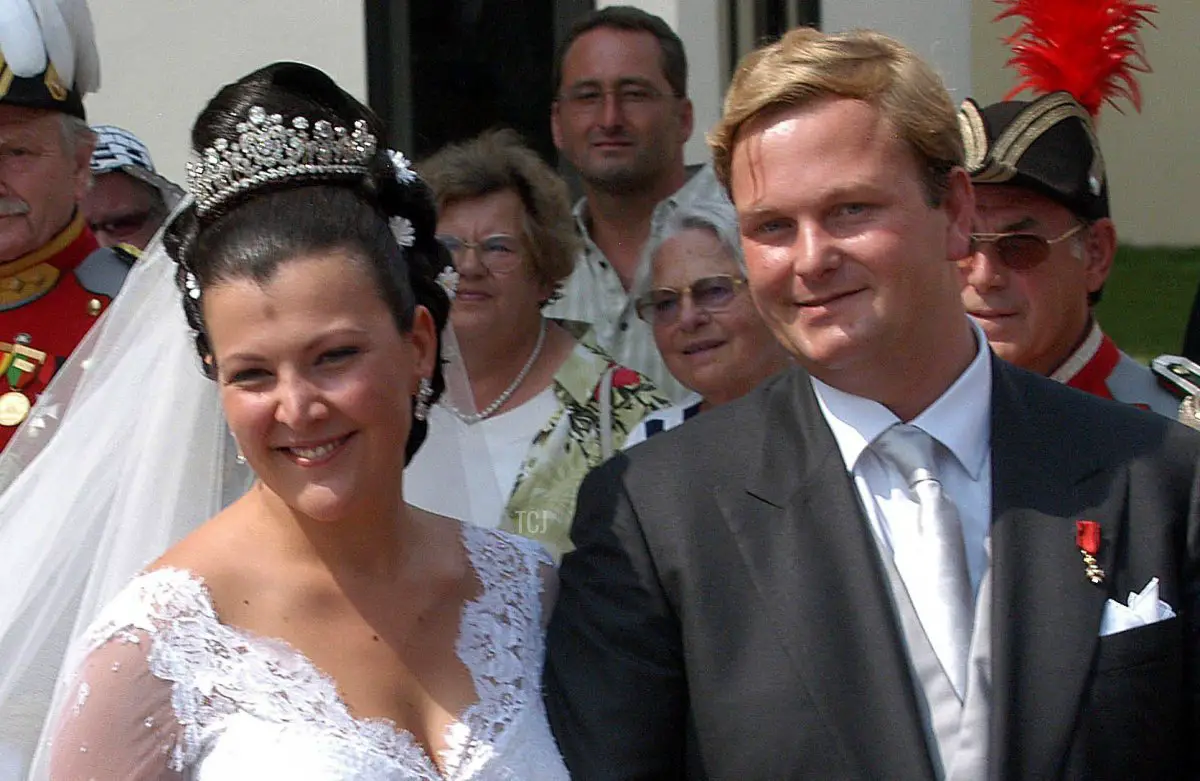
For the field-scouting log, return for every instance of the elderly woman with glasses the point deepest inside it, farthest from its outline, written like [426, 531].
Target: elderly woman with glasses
[547, 408]
[711, 336]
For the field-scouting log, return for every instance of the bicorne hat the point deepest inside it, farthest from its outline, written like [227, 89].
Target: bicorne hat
[1048, 145]
[1076, 55]
[48, 57]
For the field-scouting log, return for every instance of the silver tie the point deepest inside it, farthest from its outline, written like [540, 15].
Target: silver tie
[933, 563]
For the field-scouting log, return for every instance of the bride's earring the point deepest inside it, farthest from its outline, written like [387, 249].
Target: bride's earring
[424, 394]
[240, 457]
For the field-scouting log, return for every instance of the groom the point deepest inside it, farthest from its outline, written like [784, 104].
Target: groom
[799, 586]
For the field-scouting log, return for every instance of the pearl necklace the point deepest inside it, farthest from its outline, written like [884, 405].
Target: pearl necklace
[490, 409]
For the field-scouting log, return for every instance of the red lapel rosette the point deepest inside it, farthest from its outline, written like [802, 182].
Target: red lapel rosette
[1087, 536]
[1087, 539]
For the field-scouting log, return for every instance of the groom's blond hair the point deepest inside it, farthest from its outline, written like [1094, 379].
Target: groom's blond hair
[806, 65]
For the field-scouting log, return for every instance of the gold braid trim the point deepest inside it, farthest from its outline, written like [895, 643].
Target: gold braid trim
[1027, 127]
[975, 145]
[6, 76]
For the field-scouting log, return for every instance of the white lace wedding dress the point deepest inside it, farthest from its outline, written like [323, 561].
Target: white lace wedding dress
[169, 692]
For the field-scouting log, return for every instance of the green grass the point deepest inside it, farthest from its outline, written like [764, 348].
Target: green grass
[1148, 299]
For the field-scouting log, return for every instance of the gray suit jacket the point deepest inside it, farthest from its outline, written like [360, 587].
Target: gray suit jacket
[726, 615]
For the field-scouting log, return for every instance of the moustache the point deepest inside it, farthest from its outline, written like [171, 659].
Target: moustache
[11, 207]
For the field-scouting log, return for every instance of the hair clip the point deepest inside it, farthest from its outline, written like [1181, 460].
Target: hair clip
[402, 229]
[192, 284]
[404, 172]
[448, 279]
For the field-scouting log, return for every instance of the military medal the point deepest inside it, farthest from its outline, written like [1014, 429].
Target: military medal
[1087, 539]
[14, 407]
[20, 365]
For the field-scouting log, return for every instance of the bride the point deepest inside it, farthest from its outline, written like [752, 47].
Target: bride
[318, 627]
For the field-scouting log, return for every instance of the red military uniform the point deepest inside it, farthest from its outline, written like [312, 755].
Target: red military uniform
[48, 301]
[1098, 367]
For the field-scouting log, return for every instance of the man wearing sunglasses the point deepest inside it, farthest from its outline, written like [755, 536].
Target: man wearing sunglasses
[128, 200]
[1043, 244]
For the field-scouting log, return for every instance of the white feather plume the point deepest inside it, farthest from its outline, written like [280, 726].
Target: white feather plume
[87, 56]
[70, 40]
[21, 38]
[60, 44]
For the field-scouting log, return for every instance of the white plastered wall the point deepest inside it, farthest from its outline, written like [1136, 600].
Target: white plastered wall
[1153, 158]
[938, 30]
[161, 60]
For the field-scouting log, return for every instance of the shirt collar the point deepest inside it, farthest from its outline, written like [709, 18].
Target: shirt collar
[580, 212]
[1084, 353]
[580, 374]
[698, 182]
[959, 418]
[76, 236]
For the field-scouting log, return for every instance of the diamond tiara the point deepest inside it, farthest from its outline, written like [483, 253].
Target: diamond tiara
[268, 150]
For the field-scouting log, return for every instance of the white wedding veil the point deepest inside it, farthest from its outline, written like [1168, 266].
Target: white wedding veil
[123, 454]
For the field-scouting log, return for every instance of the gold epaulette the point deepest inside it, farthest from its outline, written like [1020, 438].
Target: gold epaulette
[128, 252]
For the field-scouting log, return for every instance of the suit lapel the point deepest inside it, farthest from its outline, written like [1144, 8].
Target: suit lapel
[1046, 614]
[801, 533]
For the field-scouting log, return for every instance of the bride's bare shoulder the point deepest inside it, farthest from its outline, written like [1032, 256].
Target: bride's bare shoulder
[217, 552]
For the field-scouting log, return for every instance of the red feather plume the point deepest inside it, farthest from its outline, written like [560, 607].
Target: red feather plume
[1090, 48]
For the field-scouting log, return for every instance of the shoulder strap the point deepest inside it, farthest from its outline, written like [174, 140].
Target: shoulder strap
[103, 272]
[1180, 377]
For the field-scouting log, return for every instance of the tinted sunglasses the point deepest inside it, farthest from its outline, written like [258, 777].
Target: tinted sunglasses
[663, 305]
[126, 225]
[1020, 251]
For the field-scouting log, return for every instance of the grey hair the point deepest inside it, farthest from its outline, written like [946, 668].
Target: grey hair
[715, 214]
[75, 131]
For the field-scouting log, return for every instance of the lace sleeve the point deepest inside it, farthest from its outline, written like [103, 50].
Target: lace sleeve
[118, 721]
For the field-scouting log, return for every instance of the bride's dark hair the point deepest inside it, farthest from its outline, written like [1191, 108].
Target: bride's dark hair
[249, 235]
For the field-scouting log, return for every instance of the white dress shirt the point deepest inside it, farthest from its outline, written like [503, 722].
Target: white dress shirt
[960, 419]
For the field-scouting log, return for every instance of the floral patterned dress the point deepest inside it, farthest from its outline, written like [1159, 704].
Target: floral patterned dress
[587, 427]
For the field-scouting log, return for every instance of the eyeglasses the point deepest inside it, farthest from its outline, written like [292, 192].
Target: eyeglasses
[499, 254]
[663, 305]
[589, 98]
[1020, 251]
[124, 226]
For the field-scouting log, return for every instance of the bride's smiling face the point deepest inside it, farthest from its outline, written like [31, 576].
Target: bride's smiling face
[317, 381]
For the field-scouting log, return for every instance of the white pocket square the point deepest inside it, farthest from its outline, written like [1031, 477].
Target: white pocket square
[1143, 609]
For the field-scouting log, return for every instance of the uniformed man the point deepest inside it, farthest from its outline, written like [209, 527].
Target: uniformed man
[54, 280]
[1043, 246]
